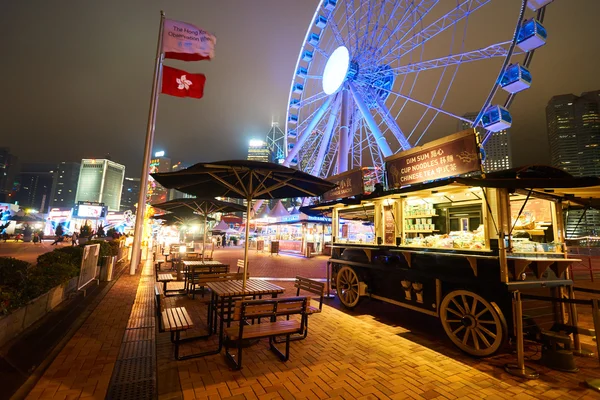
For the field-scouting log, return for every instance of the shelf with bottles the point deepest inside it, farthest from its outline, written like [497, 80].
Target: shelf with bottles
[419, 211]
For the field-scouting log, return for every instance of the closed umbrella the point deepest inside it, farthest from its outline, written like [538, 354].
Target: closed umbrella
[244, 179]
[204, 206]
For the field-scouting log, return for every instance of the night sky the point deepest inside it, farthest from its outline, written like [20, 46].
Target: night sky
[76, 77]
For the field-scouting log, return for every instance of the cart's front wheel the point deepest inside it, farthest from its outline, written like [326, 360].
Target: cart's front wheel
[473, 324]
[347, 285]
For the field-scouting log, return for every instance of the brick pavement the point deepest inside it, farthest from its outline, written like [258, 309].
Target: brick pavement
[348, 355]
[84, 366]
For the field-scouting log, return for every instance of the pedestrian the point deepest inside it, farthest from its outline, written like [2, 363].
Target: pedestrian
[74, 239]
[36, 238]
[59, 235]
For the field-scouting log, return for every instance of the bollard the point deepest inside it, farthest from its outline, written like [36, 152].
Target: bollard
[519, 369]
[329, 295]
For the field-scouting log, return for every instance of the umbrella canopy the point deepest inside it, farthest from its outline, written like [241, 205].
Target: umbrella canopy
[25, 218]
[244, 179]
[181, 218]
[295, 211]
[202, 206]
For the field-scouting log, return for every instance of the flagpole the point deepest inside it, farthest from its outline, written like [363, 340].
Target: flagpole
[141, 209]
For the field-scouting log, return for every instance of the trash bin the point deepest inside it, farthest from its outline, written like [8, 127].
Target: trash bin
[107, 267]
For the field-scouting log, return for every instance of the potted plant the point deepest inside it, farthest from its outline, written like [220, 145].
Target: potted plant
[85, 233]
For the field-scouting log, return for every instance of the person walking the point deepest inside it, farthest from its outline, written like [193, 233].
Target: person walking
[59, 235]
[74, 238]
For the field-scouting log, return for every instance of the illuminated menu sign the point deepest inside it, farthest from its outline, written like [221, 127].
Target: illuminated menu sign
[389, 223]
[348, 184]
[449, 156]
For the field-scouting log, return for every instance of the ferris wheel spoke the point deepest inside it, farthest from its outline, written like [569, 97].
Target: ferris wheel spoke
[408, 21]
[370, 121]
[384, 28]
[351, 20]
[430, 106]
[311, 125]
[495, 50]
[391, 123]
[447, 21]
[311, 99]
[326, 139]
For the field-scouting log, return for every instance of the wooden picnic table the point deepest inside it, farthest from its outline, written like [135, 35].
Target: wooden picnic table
[223, 297]
[195, 268]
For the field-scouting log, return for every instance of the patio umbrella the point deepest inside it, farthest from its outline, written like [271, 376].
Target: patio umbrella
[202, 206]
[173, 218]
[244, 179]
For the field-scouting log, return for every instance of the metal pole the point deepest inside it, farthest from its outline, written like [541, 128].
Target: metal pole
[519, 369]
[204, 234]
[141, 209]
[247, 241]
[342, 161]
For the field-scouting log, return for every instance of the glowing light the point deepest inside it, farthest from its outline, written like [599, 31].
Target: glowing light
[182, 249]
[336, 70]
[256, 143]
[159, 154]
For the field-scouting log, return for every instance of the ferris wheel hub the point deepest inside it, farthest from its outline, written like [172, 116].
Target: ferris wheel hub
[336, 70]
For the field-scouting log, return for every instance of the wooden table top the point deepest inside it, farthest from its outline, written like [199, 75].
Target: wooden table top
[253, 287]
[194, 263]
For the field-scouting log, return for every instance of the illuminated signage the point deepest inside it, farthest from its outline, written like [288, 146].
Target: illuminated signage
[449, 156]
[159, 154]
[348, 184]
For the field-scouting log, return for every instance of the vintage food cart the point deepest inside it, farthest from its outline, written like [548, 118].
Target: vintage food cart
[455, 248]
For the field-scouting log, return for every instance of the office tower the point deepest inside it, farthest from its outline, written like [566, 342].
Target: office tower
[498, 155]
[573, 125]
[258, 151]
[100, 181]
[156, 193]
[9, 167]
[35, 186]
[64, 184]
[130, 193]
[276, 143]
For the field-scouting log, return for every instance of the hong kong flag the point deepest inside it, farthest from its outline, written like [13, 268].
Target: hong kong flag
[176, 82]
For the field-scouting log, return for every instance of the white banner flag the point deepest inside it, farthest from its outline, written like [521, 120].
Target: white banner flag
[186, 42]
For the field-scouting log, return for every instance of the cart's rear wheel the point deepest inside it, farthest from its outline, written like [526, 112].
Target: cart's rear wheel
[473, 324]
[347, 284]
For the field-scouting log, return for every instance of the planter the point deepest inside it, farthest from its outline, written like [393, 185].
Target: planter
[35, 310]
[11, 325]
[27, 238]
[83, 240]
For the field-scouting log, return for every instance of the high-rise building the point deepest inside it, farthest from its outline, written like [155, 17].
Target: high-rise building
[101, 181]
[130, 193]
[9, 167]
[64, 184]
[276, 143]
[258, 151]
[498, 155]
[156, 193]
[573, 125]
[35, 185]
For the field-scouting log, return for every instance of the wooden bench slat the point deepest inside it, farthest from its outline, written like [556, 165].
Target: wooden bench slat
[189, 321]
[265, 329]
[182, 319]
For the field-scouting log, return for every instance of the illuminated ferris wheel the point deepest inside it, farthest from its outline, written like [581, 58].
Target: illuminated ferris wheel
[375, 77]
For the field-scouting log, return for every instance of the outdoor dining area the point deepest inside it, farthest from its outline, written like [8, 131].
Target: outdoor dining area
[202, 300]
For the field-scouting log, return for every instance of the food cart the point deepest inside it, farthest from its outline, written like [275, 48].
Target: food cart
[455, 247]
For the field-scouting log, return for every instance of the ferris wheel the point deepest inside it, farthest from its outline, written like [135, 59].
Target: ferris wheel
[375, 77]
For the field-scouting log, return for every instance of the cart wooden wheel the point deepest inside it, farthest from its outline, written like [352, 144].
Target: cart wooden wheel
[347, 287]
[473, 324]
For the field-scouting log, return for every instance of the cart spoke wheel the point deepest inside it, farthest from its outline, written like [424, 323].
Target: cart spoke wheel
[468, 331]
[347, 287]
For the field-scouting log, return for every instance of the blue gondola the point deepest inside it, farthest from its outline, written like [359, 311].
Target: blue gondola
[294, 103]
[301, 72]
[531, 35]
[515, 78]
[313, 39]
[298, 88]
[496, 118]
[307, 56]
[293, 119]
[329, 4]
[321, 22]
[292, 134]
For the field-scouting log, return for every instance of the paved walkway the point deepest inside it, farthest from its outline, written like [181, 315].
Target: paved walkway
[378, 351]
[84, 366]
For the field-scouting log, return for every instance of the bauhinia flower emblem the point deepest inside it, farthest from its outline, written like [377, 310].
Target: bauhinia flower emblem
[183, 83]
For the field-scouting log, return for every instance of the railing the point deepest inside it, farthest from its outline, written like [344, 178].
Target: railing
[519, 369]
[589, 264]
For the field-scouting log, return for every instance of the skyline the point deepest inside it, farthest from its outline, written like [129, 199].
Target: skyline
[98, 81]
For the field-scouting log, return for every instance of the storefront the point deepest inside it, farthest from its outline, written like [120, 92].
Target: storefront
[300, 234]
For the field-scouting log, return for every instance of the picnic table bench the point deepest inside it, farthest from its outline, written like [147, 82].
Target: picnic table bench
[172, 319]
[246, 310]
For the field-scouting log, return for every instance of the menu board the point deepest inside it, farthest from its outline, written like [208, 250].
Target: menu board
[348, 184]
[536, 210]
[449, 156]
[389, 224]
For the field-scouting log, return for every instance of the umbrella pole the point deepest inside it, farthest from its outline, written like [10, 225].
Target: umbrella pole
[204, 233]
[247, 241]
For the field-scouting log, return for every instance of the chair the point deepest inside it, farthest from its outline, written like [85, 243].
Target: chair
[314, 287]
[240, 266]
[209, 257]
